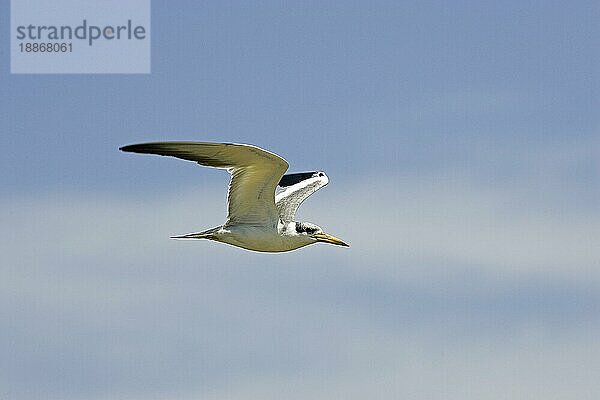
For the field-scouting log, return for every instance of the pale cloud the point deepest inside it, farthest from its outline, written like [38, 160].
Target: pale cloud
[410, 221]
[451, 287]
[532, 365]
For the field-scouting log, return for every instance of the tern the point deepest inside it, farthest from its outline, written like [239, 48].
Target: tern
[258, 219]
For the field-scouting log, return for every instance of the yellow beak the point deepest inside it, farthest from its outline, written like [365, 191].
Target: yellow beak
[326, 238]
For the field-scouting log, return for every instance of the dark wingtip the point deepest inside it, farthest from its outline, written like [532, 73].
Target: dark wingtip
[139, 148]
[292, 179]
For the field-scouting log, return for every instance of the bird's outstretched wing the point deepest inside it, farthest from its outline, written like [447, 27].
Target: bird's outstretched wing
[297, 187]
[254, 174]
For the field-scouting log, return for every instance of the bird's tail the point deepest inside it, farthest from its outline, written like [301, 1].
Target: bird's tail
[208, 234]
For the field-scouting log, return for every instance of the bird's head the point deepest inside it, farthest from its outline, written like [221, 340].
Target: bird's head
[315, 233]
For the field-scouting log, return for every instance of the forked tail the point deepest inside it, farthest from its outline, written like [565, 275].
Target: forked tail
[208, 234]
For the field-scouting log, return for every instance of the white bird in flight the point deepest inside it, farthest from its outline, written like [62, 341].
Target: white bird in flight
[258, 219]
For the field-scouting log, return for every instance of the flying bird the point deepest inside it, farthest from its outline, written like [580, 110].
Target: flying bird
[258, 219]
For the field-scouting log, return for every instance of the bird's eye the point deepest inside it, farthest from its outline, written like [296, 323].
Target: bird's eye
[321, 174]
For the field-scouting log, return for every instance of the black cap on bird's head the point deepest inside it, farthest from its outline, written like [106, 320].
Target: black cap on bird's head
[315, 232]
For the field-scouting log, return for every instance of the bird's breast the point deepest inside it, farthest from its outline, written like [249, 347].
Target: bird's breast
[259, 238]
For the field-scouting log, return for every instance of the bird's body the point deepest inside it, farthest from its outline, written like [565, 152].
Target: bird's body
[256, 237]
[257, 219]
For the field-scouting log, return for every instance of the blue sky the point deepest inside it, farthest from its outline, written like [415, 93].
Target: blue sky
[462, 144]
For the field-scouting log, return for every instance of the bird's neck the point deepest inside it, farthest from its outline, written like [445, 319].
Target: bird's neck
[285, 227]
